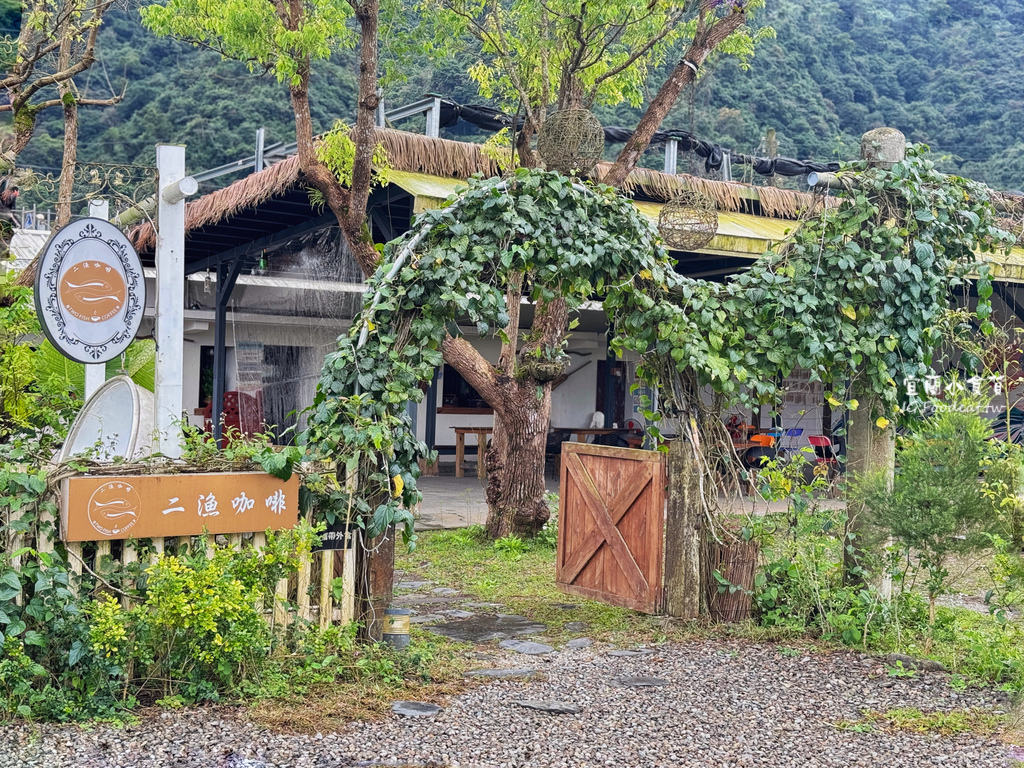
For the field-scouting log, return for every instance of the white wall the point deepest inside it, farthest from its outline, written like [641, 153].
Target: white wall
[572, 403]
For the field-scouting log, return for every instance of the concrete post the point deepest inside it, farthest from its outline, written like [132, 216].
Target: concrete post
[684, 534]
[96, 373]
[868, 448]
[170, 298]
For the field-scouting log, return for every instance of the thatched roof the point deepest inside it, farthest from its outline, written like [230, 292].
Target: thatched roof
[460, 160]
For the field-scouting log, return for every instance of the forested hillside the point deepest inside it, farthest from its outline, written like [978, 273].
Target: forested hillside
[946, 72]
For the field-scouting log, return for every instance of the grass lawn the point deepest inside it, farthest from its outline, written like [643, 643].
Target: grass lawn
[521, 577]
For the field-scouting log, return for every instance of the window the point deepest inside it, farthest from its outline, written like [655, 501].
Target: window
[457, 396]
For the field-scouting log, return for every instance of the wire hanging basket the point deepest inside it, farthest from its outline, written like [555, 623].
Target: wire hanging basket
[1014, 226]
[689, 221]
[571, 142]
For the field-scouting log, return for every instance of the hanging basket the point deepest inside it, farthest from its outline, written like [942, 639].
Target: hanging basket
[688, 221]
[571, 142]
[545, 369]
[1013, 226]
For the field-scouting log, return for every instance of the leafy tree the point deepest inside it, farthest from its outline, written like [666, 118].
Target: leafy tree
[56, 44]
[567, 54]
[286, 38]
[935, 507]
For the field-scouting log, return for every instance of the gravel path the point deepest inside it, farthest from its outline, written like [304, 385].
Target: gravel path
[725, 705]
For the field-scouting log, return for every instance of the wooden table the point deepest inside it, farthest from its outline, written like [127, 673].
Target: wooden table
[481, 449]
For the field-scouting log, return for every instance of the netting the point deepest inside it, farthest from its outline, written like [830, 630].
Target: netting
[284, 315]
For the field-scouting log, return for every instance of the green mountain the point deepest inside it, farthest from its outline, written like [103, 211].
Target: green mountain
[946, 72]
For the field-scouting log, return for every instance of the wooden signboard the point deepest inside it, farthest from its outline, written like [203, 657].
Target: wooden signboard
[98, 508]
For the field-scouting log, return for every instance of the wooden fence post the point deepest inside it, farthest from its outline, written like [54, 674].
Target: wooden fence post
[326, 577]
[684, 534]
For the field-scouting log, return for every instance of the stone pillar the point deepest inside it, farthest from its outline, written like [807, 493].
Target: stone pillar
[868, 448]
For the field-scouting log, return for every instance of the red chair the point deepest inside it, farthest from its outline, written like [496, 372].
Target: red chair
[242, 413]
[824, 451]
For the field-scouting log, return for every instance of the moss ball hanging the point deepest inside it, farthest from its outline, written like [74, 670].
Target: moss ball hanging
[571, 142]
[688, 221]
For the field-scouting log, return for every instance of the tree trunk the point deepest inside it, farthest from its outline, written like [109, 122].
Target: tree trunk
[516, 502]
[704, 43]
[375, 571]
[348, 205]
[67, 173]
[70, 106]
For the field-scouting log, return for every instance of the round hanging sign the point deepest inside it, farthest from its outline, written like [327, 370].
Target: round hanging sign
[90, 291]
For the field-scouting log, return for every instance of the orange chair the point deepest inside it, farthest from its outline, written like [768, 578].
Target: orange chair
[765, 441]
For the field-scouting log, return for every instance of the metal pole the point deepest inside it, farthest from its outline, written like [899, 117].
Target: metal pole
[170, 299]
[671, 156]
[96, 373]
[726, 166]
[261, 136]
[227, 276]
[219, 354]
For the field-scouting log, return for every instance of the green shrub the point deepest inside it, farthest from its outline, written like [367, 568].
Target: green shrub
[936, 505]
[50, 631]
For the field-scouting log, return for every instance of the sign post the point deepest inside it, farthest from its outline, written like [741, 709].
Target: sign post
[174, 187]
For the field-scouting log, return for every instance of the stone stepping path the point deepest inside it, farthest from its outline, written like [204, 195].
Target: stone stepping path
[578, 643]
[482, 629]
[504, 674]
[415, 709]
[551, 706]
[528, 647]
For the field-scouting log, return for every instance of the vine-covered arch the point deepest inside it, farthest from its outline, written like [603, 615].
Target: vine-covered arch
[854, 294]
[557, 238]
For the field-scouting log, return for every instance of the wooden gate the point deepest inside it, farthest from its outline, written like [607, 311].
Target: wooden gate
[611, 525]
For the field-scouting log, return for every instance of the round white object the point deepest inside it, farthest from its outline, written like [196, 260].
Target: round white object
[116, 422]
[90, 291]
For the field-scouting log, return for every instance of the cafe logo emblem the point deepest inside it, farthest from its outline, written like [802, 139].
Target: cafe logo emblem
[114, 508]
[90, 291]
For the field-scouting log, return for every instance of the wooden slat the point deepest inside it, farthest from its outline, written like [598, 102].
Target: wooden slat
[102, 551]
[348, 585]
[302, 596]
[326, 577]
[74, 550]
[17, 541]
[281, 605]
[129, 555]
[44, 543]
[157, 549]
